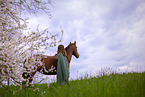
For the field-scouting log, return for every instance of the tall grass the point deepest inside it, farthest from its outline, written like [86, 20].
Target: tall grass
[113, 85]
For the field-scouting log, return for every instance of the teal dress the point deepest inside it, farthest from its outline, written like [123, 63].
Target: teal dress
[62, 70]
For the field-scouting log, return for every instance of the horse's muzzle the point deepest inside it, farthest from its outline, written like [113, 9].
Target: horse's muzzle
[77, 55]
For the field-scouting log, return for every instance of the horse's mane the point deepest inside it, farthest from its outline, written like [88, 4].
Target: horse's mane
[69, 45]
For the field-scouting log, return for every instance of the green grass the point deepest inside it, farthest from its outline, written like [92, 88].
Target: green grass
[114, 85]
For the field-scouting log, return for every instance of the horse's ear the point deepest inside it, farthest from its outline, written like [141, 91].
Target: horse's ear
[75, 42]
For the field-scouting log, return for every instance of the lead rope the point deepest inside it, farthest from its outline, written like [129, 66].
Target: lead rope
[68, 59]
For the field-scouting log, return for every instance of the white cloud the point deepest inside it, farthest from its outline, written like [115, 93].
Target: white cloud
[108, 33]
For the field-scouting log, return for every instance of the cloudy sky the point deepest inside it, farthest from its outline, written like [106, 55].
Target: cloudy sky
[109, 33]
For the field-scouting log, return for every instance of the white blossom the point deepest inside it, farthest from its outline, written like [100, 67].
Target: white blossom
[15, 46]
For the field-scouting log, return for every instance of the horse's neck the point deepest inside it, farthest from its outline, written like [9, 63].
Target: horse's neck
[69, 54]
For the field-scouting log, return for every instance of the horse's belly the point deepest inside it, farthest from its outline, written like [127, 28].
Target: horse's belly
[49, 73]
[50, 66]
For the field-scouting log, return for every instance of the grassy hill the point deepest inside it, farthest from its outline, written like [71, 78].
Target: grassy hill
[113, 85]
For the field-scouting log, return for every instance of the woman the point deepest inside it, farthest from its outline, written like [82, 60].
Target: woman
[62, 68]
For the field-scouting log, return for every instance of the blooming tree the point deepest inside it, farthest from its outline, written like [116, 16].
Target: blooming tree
[15, 46]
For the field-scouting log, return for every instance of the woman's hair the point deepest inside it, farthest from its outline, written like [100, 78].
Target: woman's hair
[61, 49]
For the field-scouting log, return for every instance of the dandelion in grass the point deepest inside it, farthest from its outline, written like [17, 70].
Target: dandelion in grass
[13, 92]
[48, 85]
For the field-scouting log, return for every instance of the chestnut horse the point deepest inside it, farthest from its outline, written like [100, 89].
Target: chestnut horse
[50, 63]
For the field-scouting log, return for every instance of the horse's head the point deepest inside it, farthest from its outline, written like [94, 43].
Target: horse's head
[73, 47]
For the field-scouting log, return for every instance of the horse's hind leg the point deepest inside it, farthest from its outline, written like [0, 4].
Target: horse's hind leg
[31, 77]
[28, 77]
